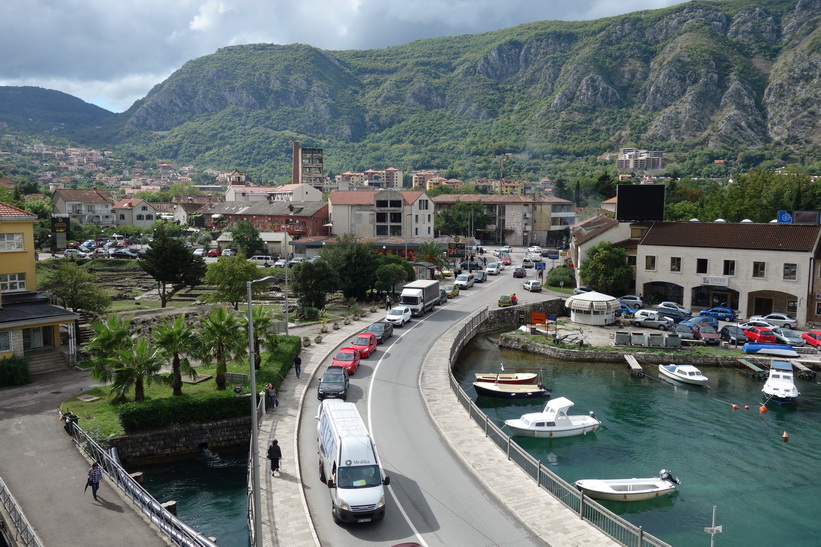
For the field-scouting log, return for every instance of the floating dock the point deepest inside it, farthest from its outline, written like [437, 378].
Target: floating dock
[754, 371]
[804, 372]
[634, 366]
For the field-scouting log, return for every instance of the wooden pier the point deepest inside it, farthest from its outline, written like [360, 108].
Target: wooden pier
[754, 371]
[804, 372]
[634, 366]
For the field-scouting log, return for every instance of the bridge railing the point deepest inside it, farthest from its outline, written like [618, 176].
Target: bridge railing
[176, 530]
[23, 532]
[605, 520]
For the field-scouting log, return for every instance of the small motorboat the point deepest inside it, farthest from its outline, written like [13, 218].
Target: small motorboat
[683, 373]
[776, 350]
[553, 422]
[507, 377]
[780, 387]
[511, 391]
[629, 489]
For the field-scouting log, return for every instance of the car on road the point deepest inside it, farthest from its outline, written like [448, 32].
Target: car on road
[582, 289]
[777, 320]
[399, 315]
[534, 249]
[788, 336]
[733, 335]
[382, 330]
[527, 263]
[721, 313]
[683, 331]
[632, 300]
[760, 335]
[535, 257]
[480, 276]
[506, 300]
[506, 249]
[365, 343]
[445, 271]
[706, 334]
[464, 281]
[675, 306]
[443, 297]
[813, 338]
[519, 272]
[333, 384]
[493, 268]
[505, 259]
[532, 285]
[347, 358]
[451, 290]
[651, 319]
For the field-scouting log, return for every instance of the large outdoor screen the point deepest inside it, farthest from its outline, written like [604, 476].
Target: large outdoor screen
[639, 202]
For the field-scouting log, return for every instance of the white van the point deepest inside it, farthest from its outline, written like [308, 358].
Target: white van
[262, 260]
[349, 464]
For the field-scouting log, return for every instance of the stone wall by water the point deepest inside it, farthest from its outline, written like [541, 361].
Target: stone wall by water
[183, 441]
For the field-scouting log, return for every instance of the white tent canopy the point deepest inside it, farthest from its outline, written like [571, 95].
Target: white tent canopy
[592, 308]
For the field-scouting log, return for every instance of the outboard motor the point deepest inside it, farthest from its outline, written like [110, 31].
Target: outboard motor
[592, 414]
[667, 475]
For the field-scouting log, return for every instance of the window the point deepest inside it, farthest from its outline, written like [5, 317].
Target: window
[759, 269]
[381, 217]
[149, 217]
[649, 263]
[11, 242]
[381, 230]
[792, 306]
[675, 263]
[5, 341]
[144, 208]
[423, 204]
[139, 217]
[729, 267]
[12, 282]
[122, 216]
[701, 265]
[790, 271]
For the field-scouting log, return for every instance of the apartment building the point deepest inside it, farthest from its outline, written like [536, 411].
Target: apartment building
[85, 206]
[385, 213]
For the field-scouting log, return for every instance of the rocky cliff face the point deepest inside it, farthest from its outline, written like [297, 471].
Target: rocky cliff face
[695, 73]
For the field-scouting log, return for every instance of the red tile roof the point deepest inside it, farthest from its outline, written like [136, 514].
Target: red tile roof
[9, 212]
[726, 235]
[450, 199]
[368, 197]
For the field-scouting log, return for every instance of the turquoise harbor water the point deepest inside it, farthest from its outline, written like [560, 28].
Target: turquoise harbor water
[209, 491]
[766, 490]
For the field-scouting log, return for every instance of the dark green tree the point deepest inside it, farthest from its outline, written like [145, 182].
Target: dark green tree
[246, 238]
[358, 261]
[606, 269]
[312, 282]
[76, 289]
[171, 265]
[230, 275]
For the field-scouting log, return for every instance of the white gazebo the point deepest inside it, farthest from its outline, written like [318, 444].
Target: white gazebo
[592, 308]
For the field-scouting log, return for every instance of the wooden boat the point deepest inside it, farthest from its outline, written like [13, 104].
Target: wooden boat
[780, 387]
[683, 373]
[776, 350]
[629, 489]
[511, 391]
[553, 422]
[507, 377]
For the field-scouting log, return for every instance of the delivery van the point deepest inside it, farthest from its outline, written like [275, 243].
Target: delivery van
[348, 464]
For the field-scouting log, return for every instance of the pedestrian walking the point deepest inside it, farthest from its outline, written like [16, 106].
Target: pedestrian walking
[387, 302]
[274, 454]
[95, 475]
[271, 394]
[297, 366]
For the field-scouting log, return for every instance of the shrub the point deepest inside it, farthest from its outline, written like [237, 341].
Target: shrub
[14, 371]
[195, 408]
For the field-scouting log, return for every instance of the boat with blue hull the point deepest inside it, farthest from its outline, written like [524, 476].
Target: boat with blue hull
[775, 350]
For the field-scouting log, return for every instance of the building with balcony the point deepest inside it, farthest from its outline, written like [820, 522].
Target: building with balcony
[85, 206]
[308, 166]
[382, 213]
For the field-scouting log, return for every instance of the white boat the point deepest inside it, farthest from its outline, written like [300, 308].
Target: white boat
[553, 422]
[776, 350]
[629, 489]
[684, 373]
[780, 387]
[507, 377]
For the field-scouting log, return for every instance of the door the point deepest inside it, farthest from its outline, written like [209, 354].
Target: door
[762, 306]
[33, 338]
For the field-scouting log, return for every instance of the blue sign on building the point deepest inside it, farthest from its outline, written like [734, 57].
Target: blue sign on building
[784, 217]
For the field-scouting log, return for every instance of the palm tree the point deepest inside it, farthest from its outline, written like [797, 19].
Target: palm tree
[223, 339]
[177, 341]
[433, 253]
[113, 335]
[263, 321]
[138, 365]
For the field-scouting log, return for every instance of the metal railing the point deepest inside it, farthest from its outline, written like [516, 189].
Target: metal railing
[249, 474]
[23, 533]
[176, 530]
[605, 520]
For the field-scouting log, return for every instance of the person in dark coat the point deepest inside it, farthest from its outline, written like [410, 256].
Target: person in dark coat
[274, 454]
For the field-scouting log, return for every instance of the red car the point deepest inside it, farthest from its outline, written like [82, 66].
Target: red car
[365, 343]
[505, 259]
[347, 358]
[214, 252]
[812, 338]
[706, 333]
[760, 335]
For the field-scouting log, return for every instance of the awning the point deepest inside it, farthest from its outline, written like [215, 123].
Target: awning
[592, 301]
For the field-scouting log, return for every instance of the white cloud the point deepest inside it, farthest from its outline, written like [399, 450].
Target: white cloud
[113, 53]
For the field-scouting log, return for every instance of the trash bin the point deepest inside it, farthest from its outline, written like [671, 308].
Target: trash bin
[638, 339]
[673, 341]
[622, 338]
[70, 418]
[655, 340]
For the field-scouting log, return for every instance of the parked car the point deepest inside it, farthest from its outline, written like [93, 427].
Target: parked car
[347, 358]
[674, 306]
[534, 249]
[712, 321]
[296, 260]
[683, 331]
[706, 334]
[102, 253]
[443, 296]
[74, 252]
[124, 253]
[649, 318]
[261, 260]
[777, 320]
[464, 281]
[760, 335]
[480, 276]
[493, 268]
[445, 271]
[519, 272]
[471, 265]
[812, 338]
[280, 263]
[789, 337]
[506, 300]
[381, 329]
[532, 285]
[624, 311]
[451, 290]
[632, 300]
[721, 313]
[506, 249]
[755, 323]
[535, 257]
[733, 335]
[581, 288]
[229, 252]
[365, 343]
[398, 315]
[676, 315]
[214, 252]
[527, 263]
[333, 384]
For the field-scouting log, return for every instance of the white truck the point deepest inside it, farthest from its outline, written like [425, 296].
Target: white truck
[349, 464]
[420, 296]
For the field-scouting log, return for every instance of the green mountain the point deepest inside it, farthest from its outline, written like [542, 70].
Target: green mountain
[737, 80]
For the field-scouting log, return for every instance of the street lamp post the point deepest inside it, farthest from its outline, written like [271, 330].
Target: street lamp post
[254, 425]
[287, 266]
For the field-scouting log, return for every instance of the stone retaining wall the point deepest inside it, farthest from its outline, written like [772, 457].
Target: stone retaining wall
[182, 441]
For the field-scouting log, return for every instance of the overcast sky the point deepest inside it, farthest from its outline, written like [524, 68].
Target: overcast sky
[112, 52]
